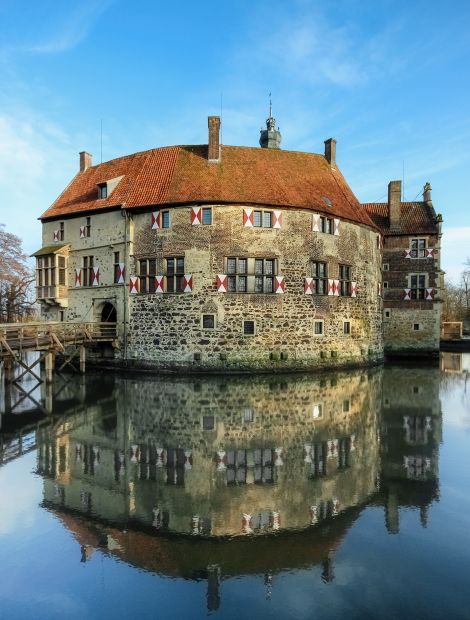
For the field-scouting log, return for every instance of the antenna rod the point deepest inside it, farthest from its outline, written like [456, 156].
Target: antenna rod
[101, 139]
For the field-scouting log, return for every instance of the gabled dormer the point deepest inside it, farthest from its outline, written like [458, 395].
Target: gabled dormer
[106, 188]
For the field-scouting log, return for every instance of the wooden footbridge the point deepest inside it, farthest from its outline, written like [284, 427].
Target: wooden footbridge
[49, 339]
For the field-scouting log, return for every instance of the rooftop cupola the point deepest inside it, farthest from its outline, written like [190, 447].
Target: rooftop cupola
[270, 137]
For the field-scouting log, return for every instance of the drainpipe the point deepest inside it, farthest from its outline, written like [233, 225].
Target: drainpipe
[126, 275]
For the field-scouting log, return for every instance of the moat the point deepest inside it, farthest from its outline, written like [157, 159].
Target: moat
[328, 495]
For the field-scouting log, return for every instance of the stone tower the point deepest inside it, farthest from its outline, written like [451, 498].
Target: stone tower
[270, 137]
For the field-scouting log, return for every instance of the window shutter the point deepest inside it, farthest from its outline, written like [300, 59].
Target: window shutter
[430, 292]
[352, 443]
[187, 283]
[333, 287]
[308, 286]
[278, 454]
[196, 216]
[78, 277]
[408, 253]
[277, 219]
[430, 252]
[159, 284]
[316, 222]
[56, 235]
[121, 273]
[95, 276]
[279, 284]
[221, 460]
[332, 446]
[133, 285]
[248, 219]
[221, 283]
[353, 289]
[336, 226]
[407, 294]
[82, 232]
[156, 220]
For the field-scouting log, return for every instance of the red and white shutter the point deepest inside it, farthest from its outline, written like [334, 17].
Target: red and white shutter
[430, 294]
[196, 216]
[333, 287]
[248, 218]
[133, 285]
[430, 252]
[277, 219]
[407, 294]
[353, 289]
[82, 232]
[408, 253]
[308, 286]
[156, 220]
[316, 222]
[352, 443]
[276, 520]
[78, 277]
[221, 283]
[159, 284]
[332, 448]
[95, 276]
[279, 284]
[246, 523]
[56, 235]
[121, 273]
[336, 224]
[187, 283]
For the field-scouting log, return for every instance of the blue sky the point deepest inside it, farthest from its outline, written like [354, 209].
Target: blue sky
[388, 79]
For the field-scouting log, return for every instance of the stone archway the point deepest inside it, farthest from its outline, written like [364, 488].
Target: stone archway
[108, 313]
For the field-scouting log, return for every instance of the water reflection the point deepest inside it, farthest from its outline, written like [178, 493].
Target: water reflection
[208, 478]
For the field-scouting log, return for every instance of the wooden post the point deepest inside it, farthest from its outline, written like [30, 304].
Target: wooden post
[8, 369]
[49, 366]
[82, 359]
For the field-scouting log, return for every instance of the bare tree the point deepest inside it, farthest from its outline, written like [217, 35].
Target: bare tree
[16, 278]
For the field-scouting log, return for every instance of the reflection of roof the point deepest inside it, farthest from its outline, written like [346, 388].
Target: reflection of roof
[416, 218]
[184, 556]
[182, 175]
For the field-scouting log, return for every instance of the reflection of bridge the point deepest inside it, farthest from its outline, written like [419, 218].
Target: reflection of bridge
[48, 339]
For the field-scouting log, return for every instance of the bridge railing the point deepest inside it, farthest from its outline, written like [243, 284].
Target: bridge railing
[27, 336]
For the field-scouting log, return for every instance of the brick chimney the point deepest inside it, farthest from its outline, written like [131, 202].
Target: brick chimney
[213, 151]
[85, 161]
[330, 152]
[394, 204]
[427, 194]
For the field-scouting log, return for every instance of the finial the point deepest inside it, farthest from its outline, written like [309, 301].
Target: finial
[270, 106]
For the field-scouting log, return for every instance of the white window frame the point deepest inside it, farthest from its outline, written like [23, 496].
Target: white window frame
[254, 328]
[347, 321]
[209, 329]
[322, 321]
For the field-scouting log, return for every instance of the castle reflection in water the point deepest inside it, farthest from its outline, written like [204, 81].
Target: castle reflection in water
[134, 462]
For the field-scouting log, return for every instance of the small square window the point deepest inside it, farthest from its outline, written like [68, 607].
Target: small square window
[249, 328]
[207, 215]
[208, 423]
[165, 219]
[416, 327]
[346, 328]
[318, 328]
[317, 411]
[385, 267]
[387, 313]
[208, 321]
[385, 284]
[257, 218]
[346, 406]
[248, 415]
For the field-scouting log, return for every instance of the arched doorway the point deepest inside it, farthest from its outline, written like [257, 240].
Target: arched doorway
[108, 313]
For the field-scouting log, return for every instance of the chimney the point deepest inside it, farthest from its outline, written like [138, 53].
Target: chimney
[85, 161]
[394, 204]
[213, 151]
[330, 152]
[427, 194]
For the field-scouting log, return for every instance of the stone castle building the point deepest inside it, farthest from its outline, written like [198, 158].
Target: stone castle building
[235, 258]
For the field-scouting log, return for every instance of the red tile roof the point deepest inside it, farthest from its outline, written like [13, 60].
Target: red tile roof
[416, 218]
[245, 175]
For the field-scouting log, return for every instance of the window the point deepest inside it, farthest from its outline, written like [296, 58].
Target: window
[385, 284]
[62, 273]
[317, 454]
[87, 270]
[345, 280]
[102, 190]
[418, 286]
[174, 274]
[165, 219]
[61, 316]
[387, 313]
[320, 278]
[346, 328]
[346, 406]
[326, 225]
[117, 268]
[249, 328]
[88, 227]
[263, 219]
[207, 216]
[208, 321]
[254, 275]
[61, 231]
[317, 411]
[248, 415]
[416, 327]
[45, 275]
[208, 423]
[147, 273]
[318, 328]
[385, 267]
[418, 248]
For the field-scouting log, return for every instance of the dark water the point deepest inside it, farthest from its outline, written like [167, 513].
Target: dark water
[340, 495]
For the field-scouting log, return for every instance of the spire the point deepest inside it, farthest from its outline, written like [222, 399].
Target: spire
[270, 137]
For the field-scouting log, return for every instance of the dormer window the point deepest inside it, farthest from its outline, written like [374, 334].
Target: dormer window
[103, 190]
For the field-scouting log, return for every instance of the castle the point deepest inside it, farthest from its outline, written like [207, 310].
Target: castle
[231, 258]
